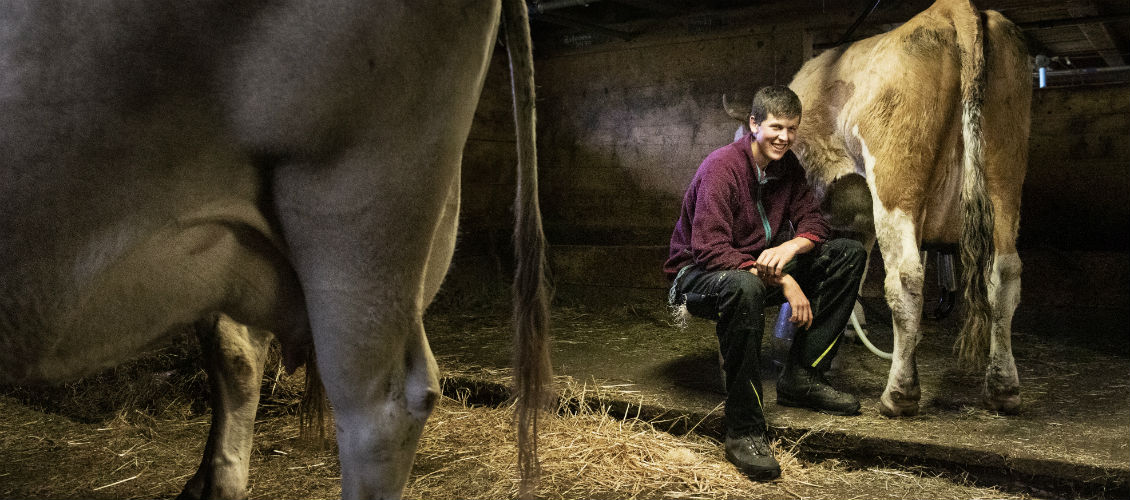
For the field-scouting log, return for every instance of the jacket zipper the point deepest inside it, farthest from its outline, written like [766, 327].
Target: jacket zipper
[761, 208]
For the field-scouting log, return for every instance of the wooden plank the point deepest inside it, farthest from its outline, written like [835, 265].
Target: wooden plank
[1085, 102]
[1098, 35]
[1110, 146]
[1050, 125]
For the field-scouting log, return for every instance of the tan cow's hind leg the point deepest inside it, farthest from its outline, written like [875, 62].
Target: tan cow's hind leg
[1002, 385]
[903, 287]
[233, 356]
[1007, 117]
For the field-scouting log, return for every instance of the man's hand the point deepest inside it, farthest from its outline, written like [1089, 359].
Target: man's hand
[771, 262]
[769, 280]
[802, 310]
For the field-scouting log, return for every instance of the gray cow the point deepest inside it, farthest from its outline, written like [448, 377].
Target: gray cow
[161, 162]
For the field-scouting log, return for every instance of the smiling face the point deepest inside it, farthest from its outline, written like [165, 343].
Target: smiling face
[772, 137]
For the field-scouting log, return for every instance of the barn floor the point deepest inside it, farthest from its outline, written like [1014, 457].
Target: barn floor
[136, 432]
[1071, 437]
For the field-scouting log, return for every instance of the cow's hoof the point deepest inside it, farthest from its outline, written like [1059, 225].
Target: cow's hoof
[1007, 402]
[194, 490]
[897, 407]
[186, 495]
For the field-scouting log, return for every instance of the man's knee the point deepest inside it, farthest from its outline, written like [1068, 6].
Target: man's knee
[847, 250]
[741, 284]
[730, 290]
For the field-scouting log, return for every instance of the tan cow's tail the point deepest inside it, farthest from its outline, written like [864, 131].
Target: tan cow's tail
[531, 296]
[976, 241]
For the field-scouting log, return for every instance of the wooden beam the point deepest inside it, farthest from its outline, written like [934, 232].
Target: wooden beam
[1098, 34]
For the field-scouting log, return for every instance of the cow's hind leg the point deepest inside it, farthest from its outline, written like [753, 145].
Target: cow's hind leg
[1002, 385]
[364, 260]
[361, 184]
[383, 386]
[1007, 115]
[374, 360]
[233, 356]
[903, 287]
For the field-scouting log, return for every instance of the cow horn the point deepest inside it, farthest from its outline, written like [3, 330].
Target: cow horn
[735, 114]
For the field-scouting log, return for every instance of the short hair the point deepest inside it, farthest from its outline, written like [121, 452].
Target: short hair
[778, 100]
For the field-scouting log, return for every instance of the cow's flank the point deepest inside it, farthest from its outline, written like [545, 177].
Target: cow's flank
[262, 167]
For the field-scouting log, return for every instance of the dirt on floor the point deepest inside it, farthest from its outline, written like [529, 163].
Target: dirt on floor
[138, 431]
[1068, 439]
[71, 448]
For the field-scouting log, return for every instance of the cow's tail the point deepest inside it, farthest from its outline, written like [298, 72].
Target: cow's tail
[976, 243]
[531, 296]
[313, 406]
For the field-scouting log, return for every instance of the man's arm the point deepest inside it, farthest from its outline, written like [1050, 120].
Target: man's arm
[770, 268]
[771, 263]
[798, 301]
[811, 229]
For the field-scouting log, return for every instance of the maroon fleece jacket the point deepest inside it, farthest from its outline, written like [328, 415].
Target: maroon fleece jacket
[726, 211]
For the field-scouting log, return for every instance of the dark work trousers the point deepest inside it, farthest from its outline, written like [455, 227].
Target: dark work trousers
[736, 300]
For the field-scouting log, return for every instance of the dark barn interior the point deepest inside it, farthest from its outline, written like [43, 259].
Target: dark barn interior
[629, 102]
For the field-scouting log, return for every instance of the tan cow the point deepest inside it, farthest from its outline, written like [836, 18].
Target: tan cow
[934, 115]
[279, 162]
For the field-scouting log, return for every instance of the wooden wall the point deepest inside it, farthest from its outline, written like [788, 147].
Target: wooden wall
[622, 128]
[1077, 194]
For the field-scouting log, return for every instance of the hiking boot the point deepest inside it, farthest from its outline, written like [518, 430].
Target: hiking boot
[752, 456]
[807, 388]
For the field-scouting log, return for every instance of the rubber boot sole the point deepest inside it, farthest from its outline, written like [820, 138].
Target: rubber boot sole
[787, 400]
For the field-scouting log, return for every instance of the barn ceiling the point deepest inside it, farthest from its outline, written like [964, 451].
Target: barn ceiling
[1081, 41]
